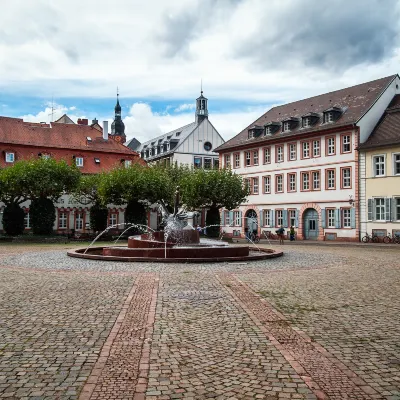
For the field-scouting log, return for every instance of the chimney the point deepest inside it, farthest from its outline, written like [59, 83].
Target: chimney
[83, 121]
[105, 130]
[79, 121]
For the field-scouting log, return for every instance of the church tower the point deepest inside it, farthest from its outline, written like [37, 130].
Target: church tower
[118, 126]
[201, 108]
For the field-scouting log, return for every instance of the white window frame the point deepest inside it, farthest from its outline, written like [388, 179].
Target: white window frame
[316, 149]
[346, 178]
[279, 217]
[237, 160]
[292, 217]
[292, 182]
[80, 220]
[63, 220]
[396, 208]
[267, 184]
[331, 180]
[79, 161]
[247, 156]
[27, 220]
[254, 185]
[305, 148]
[381, 207]
[279, 153]
[267, 155]
[292, 151]
[236, 217]
[346, 141]
[305, 181]
[127, 163]
[286, 126]
[329, 117]
[331, 146]
[10, 157]
[381, 163]
[267, 217]
[227, 160]
[255, 157]
[316, 180]
[346, 217]
[279, 183]
[268, 130]
[306, 122]
[330, 218]
[113, 218]
[395, 163]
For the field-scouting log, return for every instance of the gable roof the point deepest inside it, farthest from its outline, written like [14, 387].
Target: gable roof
[183, 132]
[64, 119]
[387, 132]
[353, 102]
[57, 135]
[133, 144]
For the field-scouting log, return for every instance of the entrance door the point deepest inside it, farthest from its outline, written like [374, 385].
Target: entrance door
[310, 223]
[251, 221]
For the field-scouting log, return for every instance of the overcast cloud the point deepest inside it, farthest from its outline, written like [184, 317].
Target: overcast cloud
[250, 51]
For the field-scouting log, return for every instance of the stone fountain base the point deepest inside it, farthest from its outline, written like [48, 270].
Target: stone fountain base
[153, 248]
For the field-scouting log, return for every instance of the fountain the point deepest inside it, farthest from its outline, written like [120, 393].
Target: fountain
[177, 243]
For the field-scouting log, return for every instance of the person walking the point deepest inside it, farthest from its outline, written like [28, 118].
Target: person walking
[292, 233]
[281, 232]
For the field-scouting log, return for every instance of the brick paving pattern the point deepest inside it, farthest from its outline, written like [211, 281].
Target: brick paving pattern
[52, 328]
[122, 368]
[205, 346]
[318, 322]
[325, 375]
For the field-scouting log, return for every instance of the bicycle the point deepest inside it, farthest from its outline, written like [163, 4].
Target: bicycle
[370, 238]
[253, 237]
[391, 239]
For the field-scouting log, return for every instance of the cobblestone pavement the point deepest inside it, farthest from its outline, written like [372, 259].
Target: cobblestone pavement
[316, 323]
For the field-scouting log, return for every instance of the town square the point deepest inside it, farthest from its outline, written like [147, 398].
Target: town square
[200, 199]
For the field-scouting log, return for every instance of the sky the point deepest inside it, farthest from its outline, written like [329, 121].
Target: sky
[71, 55]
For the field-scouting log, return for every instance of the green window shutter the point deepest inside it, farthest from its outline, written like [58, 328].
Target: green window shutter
[388, 212]
[297, 219]
[272, 218]
[337, 218]
[231, 218]
[353, 218]
[323, 218]
[261, 218]
[222, 217]
[370, 210]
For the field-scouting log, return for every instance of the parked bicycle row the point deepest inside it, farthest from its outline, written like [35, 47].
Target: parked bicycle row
[373, 238]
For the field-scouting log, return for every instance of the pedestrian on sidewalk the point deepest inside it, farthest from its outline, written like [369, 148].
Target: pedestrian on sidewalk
[292, 233]
[281, 233]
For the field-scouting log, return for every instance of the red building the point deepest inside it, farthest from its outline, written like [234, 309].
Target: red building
[91, 149]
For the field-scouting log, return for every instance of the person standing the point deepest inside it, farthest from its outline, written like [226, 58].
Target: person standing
[281, 233]
[292, 233]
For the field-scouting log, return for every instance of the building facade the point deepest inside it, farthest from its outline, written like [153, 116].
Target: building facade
[192, 144]
[301, 163]
[90, 147]
[380, 176]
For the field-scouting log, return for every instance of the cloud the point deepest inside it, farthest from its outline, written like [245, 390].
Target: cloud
[185, 107]
[335, 35]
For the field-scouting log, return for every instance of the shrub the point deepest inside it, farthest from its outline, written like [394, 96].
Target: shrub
[98, 217]
[43, 215]
[135, 213]
[13, 220]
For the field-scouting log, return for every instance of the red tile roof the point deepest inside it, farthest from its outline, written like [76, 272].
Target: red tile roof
[387, 132]
[62, 141]
[353, 101]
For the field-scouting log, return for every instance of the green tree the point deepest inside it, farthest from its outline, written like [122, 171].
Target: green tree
[213, 189]
[86, 192]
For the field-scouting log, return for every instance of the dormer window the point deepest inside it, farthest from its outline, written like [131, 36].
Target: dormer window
[10, 157]
[162, 148]
[150, 152]
[168, 146]
[177, 133]
[97, 160]
[332, 115]
[286, 126]
[155, 151]
[271, 128]
[268, 130]
[251, 134]
[306, 122]
[255, 131]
